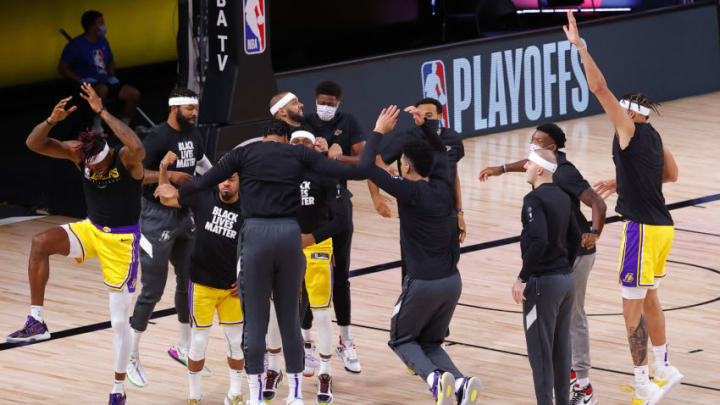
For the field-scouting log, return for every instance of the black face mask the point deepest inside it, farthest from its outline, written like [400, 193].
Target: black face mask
[433, 125]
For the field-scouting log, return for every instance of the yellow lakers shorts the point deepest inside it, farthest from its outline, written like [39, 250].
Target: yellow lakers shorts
[116, 249]
[643, 253]
[319, 274]
[204, 301]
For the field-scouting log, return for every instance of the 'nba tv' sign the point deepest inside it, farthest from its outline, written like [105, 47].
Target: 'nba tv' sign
[254, 17]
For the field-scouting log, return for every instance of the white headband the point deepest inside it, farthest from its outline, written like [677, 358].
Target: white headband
[281, 103]
[182, 101]
[303, 134]
[534, 157]
[635, 107]
[100, 156]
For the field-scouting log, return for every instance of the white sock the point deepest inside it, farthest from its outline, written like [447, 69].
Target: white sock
[430, 379]
[642, 377]
[345, 333]
[325, 365]
[135, 342]
[185, 332]
[459, 383]
[36, 311]
[274, 360]
[583, 382]
[254, 384]
[235, 383]
[294, 385]
[306, 335]
[118, 387]
[662, 356]
[195, 383]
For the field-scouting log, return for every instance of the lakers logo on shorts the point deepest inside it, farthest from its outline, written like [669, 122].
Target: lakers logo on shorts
[629, 278]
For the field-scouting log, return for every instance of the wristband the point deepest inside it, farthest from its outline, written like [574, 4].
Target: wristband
[595, 232]
[50, 123]
[459, 210]
[101, 111]
[504, 169]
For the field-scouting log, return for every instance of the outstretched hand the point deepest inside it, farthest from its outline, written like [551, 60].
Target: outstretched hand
[416, 114]
[605, 188]
[59, 113]
[387, 119]
[89, 94]
[571, 30]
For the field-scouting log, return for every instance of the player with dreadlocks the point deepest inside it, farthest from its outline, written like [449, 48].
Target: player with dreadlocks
[112, 180]
[642, 165]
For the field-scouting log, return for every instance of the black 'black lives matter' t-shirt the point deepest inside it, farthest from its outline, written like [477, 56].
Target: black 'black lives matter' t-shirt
[188, 146]
[214, 255]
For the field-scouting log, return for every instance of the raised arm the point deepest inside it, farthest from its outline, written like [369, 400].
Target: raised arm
[225, 168]
[498, 170]
[39, 142]
[624, 125]
[165, 191]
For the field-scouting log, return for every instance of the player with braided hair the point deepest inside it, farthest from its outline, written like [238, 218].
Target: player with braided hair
[112, 180]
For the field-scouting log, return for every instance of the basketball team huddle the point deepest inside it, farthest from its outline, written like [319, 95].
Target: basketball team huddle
[262, 240]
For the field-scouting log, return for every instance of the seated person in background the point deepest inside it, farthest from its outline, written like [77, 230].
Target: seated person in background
[88, 58]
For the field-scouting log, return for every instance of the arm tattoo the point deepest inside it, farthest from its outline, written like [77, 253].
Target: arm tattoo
[638, 339]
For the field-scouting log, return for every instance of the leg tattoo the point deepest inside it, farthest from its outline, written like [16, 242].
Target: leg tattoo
[638, 339]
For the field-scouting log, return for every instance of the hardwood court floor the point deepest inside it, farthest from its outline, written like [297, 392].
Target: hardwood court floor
[486, 333]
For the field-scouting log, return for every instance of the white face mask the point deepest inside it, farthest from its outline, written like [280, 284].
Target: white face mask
[326, 112]
[532, 147]
[103, 30]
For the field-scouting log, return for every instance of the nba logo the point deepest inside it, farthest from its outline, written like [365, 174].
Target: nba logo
[433, 84]
[254, 16]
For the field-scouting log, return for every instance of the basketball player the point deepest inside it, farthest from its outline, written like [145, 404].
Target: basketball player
[432, 286]
[642, 163]
[213, 278]
[271, 260]
[568, 178]
[167, 231]
[112, 181]
[549, 242]
[341, 128]
[430, 115]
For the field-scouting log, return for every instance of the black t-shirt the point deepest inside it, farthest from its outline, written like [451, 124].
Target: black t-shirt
[569, 179]
[214, 255]
[270, 173]
[188, 146]
[550, 237]
[112, 199]
[429, 242]
[392, 151]
[343, 130]
[639, 171]
[323, 210]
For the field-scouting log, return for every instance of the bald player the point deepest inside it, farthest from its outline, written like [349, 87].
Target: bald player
[549, 242]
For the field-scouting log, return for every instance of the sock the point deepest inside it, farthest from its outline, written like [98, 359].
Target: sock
[306, 335]
[274, 360]
[235, 383]
[36, 311]
[642, 378]
[185, 331]
[583, 382]
[118, 387]
[345, 333]
[459, 383]
[431, 379]
[294, 385]
[135, 345]
[325, 365]
[195, 380]
[662, 357]
[254, 384]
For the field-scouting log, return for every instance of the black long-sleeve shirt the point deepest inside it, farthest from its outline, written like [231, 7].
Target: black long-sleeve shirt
[323, 206]
[430, 235]
[270, 173]
[550, 237]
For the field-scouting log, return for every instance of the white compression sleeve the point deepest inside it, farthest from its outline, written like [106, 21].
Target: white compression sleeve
[198, 344]
[119, 319]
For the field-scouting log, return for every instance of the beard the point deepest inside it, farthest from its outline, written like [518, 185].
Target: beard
[226, 195]
[296, 116]
[185, 124]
